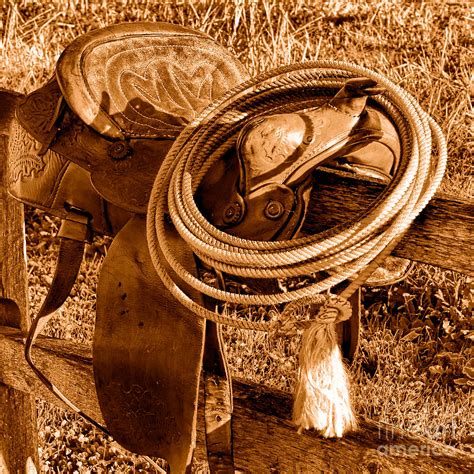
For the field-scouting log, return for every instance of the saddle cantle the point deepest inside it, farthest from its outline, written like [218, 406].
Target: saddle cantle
[87, 147]
[140, 80]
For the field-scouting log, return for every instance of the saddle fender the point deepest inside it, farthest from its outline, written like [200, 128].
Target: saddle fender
[148, 387]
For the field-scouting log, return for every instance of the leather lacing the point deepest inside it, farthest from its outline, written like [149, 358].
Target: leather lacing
[348, 251]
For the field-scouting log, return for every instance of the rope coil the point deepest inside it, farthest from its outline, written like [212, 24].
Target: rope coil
[349, 251]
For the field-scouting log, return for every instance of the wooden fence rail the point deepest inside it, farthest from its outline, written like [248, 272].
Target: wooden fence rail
[443, 234]
[265, 440]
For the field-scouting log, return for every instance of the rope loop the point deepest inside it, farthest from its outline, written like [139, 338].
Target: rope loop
[351, 250]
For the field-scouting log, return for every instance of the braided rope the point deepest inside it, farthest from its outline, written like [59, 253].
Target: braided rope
[350, 250]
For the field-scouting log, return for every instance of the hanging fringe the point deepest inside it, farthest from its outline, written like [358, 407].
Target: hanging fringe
[322, 399]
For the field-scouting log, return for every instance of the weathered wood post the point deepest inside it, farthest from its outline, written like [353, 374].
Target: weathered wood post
[18, 428]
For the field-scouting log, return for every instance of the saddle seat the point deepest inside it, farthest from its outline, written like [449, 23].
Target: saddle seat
[119, 98]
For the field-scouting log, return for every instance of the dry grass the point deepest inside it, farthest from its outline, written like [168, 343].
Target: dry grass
[415, 369]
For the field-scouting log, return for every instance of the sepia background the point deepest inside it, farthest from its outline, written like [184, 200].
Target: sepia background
[415, 369]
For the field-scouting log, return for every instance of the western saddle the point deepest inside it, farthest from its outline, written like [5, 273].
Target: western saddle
[87, 146]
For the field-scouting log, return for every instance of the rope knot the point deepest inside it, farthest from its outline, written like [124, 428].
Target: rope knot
[335, 310]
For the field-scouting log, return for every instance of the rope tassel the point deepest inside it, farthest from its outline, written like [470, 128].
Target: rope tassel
[322, 399]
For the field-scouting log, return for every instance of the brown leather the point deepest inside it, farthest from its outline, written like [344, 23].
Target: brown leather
[93, 139]
[218, 403]
[261, 190]
[285, 148]
[349, 330]
[40, 111]
[144, 79]
[378, 159]
[148, 352]
[134, 99]
[124, 181]
[51, 182]
[70, 253]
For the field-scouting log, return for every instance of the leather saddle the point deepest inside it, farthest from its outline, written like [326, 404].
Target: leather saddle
[87, 146]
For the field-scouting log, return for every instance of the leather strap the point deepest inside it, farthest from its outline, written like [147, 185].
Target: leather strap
[349, 330]
[73, 234]
[218, 404]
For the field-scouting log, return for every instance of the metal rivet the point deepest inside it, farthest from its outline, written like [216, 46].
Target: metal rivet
[232, 213]
[274, 210]
[119, 150]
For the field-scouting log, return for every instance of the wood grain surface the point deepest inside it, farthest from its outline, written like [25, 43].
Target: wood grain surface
[443, 234]
[264, 438]
[18, 429]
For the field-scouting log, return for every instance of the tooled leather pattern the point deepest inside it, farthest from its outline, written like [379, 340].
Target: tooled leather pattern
[179, 91]
[23, 161]
[136, 399]
[157, 97]
[32, 178]
[271, 150]
[71, 138]
[37, 111]
[49, 181]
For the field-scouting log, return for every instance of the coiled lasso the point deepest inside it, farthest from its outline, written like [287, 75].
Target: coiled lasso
[348, 251]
